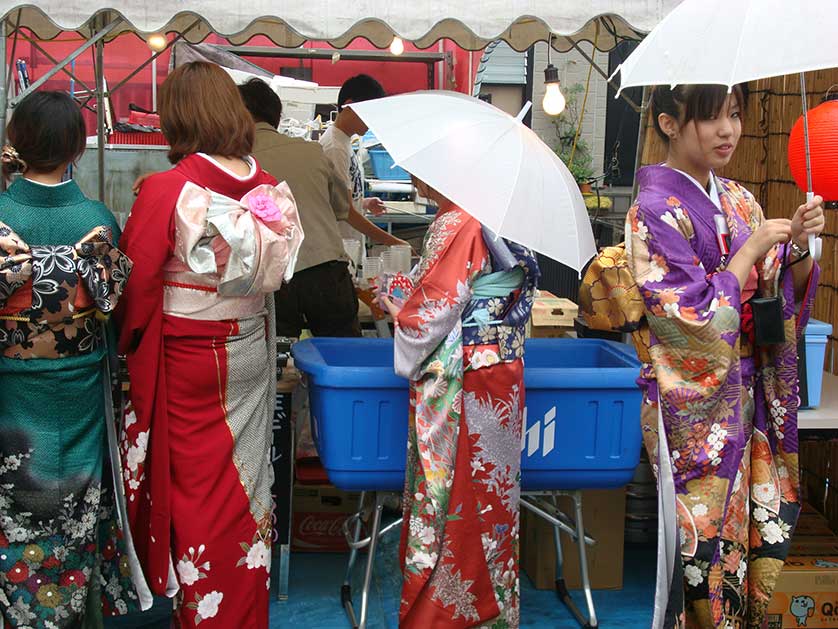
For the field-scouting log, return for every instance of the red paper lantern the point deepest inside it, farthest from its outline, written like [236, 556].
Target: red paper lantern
[823, 145]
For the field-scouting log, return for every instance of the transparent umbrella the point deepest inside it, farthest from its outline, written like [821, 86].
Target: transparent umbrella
[490, 164]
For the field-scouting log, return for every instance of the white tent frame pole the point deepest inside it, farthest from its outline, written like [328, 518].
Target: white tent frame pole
[100, 110]
[93, 41]
[9, 77]
[3, 93]
[154, 57]
[600, 71]
[54, 61]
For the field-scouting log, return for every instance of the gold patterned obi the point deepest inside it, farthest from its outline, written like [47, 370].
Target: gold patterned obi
[51, 295]
[228, 253]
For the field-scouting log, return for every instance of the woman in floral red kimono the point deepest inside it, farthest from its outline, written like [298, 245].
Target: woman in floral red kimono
[720, 397]
[460, 340]
[210, 239]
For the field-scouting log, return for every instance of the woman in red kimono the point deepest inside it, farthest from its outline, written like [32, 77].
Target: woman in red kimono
[459, 339]
[210, 238]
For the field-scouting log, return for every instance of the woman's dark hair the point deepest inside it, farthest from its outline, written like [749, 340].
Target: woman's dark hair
[358, 89]
[46, 132]
[693, 102]
[201, 111]
[261, 101]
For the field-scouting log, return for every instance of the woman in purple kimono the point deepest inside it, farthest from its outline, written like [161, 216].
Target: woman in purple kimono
[720, 394]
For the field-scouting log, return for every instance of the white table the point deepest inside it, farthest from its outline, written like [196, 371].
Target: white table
[825, 417]
[394, 186]
[393, 218]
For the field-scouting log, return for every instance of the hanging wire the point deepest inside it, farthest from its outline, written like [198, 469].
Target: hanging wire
[584, 102]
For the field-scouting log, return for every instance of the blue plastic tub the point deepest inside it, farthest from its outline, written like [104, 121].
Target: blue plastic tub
[382, 166]
[582, 418]
[816, 337]
[582, 414]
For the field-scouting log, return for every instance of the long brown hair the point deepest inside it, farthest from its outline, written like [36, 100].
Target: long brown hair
[201, 111]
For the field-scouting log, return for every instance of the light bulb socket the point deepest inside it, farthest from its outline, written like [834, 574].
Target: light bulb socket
[551, 74]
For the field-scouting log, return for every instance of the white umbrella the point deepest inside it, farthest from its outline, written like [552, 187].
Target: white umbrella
[726, 43]
[488, 163]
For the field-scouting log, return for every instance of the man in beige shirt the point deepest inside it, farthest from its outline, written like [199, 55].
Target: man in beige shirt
[321, 295]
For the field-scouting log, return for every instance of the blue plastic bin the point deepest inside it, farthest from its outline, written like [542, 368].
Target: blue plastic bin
[582, 418]
[358, 410]
[382, 166]
[816, 336]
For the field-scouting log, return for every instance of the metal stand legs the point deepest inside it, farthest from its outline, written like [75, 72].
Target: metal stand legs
[537, 502]
[355, 544]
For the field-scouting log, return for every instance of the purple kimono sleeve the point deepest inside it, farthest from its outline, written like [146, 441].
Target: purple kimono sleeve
[679, 293]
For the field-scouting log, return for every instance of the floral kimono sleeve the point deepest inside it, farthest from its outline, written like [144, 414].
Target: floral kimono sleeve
[694, 315]
[455, 255]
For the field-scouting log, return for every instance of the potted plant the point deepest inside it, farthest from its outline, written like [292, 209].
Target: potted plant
[566, 125]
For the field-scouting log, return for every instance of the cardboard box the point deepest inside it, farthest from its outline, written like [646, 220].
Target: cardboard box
[603, 512]
[319, 514]
[812, 525]
[806, 594]
[552, 316]
[813, 546]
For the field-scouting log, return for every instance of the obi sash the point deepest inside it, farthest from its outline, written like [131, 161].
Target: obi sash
[228, 253]
[51, 295]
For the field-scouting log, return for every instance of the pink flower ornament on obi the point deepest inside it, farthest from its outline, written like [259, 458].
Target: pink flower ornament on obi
[274, 207]
[265, 209]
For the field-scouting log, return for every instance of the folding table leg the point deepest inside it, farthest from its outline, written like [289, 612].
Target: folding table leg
[346, 588]
[376, 527]
[583, 560]
[561, 585]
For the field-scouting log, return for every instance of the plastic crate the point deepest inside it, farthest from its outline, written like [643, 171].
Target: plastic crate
[153, 138]
[816, 337]
[582, 418]
[382, 166]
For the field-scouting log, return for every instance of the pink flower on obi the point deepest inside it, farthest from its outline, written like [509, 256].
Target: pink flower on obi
[264, 207]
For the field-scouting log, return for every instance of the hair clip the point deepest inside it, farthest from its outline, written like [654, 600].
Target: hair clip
[9, 155]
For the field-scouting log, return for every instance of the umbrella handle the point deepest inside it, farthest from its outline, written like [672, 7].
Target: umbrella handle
[815, 243]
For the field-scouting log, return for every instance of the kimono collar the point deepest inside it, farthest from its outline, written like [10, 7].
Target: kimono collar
[712, 194]
[207, 173]
[34, 194]
[661, 185]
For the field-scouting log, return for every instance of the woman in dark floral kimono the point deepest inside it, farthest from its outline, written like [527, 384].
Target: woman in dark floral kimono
[65, 558]
[460, 341]
[720, 394]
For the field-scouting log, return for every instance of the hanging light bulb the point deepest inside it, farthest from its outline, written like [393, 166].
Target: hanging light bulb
[554, 101]
[157, 42]
[397, 46]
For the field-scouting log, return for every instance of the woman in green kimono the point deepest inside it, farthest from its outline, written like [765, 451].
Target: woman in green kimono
[64, 558]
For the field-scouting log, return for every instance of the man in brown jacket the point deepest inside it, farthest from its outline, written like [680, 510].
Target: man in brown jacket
[321, 295]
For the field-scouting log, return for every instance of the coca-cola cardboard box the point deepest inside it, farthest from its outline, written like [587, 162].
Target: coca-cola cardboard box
[319, 514]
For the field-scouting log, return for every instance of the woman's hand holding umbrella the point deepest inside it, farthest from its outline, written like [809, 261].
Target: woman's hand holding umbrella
[808, 220]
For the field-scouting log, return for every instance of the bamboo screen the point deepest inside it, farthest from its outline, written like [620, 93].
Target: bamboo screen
[761, 164]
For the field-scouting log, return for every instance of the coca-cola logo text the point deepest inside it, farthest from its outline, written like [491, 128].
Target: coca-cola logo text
[317, 525]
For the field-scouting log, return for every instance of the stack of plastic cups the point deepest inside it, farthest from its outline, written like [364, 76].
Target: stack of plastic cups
[388, 261]
[401, 258]
[371, 269]
[352, 247]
